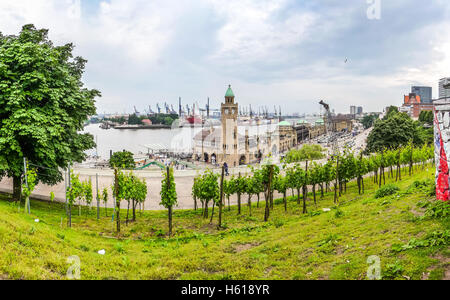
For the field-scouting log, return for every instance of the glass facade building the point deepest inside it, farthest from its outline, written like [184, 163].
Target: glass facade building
[425, 93]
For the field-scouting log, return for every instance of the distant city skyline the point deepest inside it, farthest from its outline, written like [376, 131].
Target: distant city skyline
[282, 52]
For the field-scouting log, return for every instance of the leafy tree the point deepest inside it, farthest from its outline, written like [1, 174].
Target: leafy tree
[426, 117]
[391, 133]
[268, 173]
[105, 199]
[74, 192]
[281, 185]
[306, 153]
[208, 190]
[52, 196]
[140, 194]
[392, 110]
[315, 178]
[251, 188]
[229, 189]
[168, 194]
[43, 106]
[297, 177]
[361, 170]
[369, 120]
[87, 193]
[123, 160]
[165, 119]
[134, 120]
[240, 186]
[28, 188]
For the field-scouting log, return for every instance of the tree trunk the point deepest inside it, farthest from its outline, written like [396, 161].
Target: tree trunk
[134, 210]
[69, 220]
[221, 200]
[118, 216]
[17, 189]
[358, 180]
[304, 201]
[314, 194]
[128, 211]
[335, 193]
[205, 214]
[298, 196]
[271, 199]
[239, 203]
[257, 203]
[195, 203]
[170, 221]
[250, 204]
[285, 200]
[269, 188]
[212, 212]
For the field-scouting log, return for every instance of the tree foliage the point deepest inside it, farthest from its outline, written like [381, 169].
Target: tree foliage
[369, 120]
[307, 152]
[392, 132]
[43, 105]
[122, 160]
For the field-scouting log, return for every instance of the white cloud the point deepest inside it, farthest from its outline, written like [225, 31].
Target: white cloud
[269, 53]
[252, 33]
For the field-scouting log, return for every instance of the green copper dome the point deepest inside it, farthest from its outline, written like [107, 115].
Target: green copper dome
[284, 123]
[229, 92]
[300, 122]
[320, 121]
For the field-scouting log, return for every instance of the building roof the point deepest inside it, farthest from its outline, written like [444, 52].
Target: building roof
[301, 122]
[229, 92]
[284, 123]
[320, 121]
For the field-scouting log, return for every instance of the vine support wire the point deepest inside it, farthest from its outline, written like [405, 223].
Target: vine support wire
[27, 200]
[98, 199]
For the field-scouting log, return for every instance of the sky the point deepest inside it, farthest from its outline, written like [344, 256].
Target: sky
[288, 53]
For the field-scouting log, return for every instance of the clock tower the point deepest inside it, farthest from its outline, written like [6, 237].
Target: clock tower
[229, 112]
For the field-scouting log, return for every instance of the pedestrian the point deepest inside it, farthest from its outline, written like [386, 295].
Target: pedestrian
[226, 168]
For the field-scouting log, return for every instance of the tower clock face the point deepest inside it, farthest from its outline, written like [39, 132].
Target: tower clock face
[226, 111]
[234, 111]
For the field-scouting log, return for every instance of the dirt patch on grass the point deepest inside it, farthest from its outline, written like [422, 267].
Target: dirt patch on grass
[3, 277]
[244, 247]
[443, 262]
[447, 273]
[417, 213]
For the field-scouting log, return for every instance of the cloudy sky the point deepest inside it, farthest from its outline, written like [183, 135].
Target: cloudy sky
[285, 52]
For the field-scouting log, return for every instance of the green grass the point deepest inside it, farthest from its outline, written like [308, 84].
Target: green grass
[317, 245]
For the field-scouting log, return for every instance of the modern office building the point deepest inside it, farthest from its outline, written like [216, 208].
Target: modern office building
[359, 110]
[443, 91]
[353, 110]
[425, 93]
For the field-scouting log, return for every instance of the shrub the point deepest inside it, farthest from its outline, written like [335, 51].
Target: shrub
[393, 271]
[386, 190]
[437, 210]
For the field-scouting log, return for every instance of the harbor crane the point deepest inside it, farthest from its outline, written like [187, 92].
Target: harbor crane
[158, 108]
[332, 138]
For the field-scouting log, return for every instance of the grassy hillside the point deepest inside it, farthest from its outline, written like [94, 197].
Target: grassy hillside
[331, 244]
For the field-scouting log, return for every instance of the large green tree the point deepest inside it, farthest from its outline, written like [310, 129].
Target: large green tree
[43, 106]
[395, 131]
